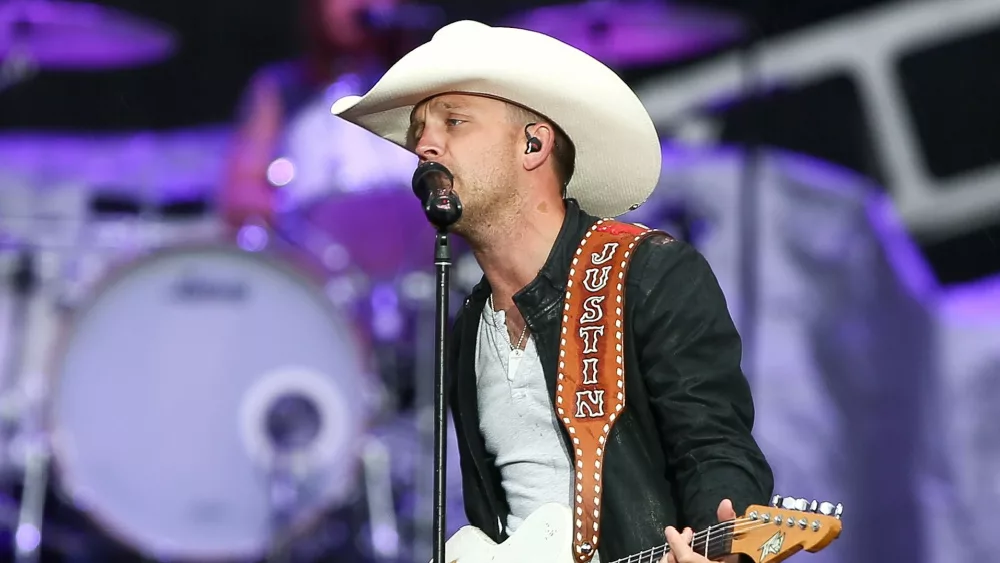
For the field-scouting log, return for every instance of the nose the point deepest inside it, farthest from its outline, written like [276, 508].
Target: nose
[429, 145]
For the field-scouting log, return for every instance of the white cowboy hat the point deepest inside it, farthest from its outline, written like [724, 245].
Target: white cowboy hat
[617, 150]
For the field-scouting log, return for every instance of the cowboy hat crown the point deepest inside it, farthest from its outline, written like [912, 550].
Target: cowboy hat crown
[618, 154]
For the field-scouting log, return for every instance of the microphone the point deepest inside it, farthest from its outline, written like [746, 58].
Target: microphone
[404, 17]
[433, 185]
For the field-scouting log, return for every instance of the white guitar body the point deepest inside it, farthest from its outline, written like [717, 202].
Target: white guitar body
[546, 537]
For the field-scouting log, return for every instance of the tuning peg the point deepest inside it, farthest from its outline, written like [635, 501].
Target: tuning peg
[830, 509]
[801, 504]
[776, 501]
[788, 503]
[814, 506]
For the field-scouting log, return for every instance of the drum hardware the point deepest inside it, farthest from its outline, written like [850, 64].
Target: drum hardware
[293, 422]
[381, 302]
[294, 479]
[384, 529]
[346, 286]
[39, 450]
[286, 482]
[58, 35]
[296, 432]
[24, 281]
[28, 536]
[632, 33]
[22, 392]
[36, 455]
[53, 35]
[183, 209]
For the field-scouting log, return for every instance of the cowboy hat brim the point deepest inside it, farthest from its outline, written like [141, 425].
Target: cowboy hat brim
[618, 153]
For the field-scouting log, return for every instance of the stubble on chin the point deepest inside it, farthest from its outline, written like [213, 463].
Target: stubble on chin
[487, 221]
[491, 204]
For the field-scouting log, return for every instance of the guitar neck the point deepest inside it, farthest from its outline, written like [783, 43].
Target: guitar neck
[714, 542]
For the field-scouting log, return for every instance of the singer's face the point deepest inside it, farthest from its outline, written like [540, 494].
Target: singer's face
[474, 137]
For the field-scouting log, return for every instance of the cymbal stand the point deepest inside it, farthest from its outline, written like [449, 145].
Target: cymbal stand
[285, 496]
[28, 538]
[29, 396]
[292, 424]
[23, 281]
[376, 458]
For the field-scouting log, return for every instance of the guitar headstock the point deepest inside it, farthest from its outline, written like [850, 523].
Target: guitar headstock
[770, 534]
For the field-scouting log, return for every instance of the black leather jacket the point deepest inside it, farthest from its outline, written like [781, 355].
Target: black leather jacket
[684, 442]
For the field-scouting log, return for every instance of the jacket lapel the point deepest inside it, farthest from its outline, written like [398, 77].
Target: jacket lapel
[540, 302]
[466, 376]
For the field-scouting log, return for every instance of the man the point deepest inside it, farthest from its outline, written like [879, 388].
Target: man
[541, 140]
[284, 113]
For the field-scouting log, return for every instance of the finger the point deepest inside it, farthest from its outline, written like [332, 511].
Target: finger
[696, 555]
[669, 557]
[679, 548]
[725, 511]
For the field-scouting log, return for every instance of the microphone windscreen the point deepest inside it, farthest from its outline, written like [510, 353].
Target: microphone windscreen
[431, 177]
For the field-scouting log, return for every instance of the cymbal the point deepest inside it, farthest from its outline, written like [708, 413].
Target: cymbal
[59, 35]
[622, 33]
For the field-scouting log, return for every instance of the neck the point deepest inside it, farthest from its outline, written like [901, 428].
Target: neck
[512, 252]
[713, 543]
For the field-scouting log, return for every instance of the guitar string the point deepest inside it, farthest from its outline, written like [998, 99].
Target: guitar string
[731, 524]
[739, 525]
[666, 547]
[658, 552]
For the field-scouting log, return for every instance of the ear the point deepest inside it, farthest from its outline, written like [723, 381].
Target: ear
[546, 137]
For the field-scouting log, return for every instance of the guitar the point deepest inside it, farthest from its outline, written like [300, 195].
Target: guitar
[767, 534]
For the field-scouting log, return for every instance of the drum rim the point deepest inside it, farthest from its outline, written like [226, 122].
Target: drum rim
[291, 260]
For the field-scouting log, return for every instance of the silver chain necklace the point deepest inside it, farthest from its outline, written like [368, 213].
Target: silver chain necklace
[520, 339]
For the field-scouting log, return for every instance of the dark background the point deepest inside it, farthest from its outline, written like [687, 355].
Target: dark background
[221, 42]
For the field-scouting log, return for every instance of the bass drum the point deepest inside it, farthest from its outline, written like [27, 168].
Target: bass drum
[182, 382]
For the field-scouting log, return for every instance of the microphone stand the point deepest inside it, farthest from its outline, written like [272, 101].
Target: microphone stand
[442, 261]
[443, 209]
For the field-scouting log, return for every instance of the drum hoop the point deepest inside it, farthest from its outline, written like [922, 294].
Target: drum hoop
[285, 257]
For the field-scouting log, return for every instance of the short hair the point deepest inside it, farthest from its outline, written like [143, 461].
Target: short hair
[563, 152]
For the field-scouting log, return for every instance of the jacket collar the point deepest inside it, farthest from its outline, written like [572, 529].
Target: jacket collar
[548, 287]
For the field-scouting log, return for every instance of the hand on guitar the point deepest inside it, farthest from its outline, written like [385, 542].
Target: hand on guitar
[680, 543]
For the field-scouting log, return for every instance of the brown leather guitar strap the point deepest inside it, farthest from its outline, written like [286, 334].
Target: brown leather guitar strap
[590, 390]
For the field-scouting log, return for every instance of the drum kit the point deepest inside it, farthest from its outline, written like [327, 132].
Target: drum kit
[202, 395]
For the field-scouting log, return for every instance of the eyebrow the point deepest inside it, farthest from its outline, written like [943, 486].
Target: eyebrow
[448, 105]
[436, 104]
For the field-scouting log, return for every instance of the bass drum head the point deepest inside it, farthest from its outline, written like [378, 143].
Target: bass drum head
[171, 384]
